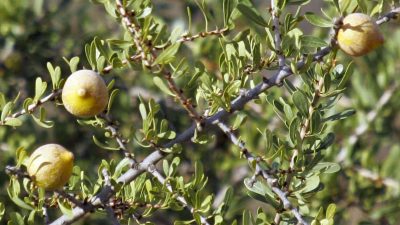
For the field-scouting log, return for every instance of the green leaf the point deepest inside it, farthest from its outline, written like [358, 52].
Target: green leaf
[308, 41]
[100, 63]
[55, 75]
[13, 191]
[40, 88]
[326, 167]
[228, 6]
[317, 21]
[31, 218]
[163, 87]
[239, 120]
[346, 76]
[2, 210]
[330, 211]
[104, 146]
[311, 184]
[73, 64]
[261, 192]
[252, 14]
[16, 219]
[41, 121]
[168, 135]
[340, 116]
[6, 110]
[301, 102]
[111, 99]
[13, 122]
[167, 55]
[65, 209]
[327, 141]
[123, 164]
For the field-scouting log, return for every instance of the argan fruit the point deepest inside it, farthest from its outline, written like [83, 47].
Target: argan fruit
[359, 35]
[50, 166]
[85, 94]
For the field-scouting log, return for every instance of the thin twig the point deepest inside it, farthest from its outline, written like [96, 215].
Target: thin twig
[114, 129]
[153, 170]
[135, 32]
[363, 127]
[70, 198]
[45, 215]
[277, 34]
[392, 15]
[13, 170]
[133, 58]
[272, 182]
[109, 210]
[32, 107]
[216, 32]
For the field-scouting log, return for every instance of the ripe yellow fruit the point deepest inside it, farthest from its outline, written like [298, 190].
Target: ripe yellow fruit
[85, 93]
[50, 166]
[359, 35]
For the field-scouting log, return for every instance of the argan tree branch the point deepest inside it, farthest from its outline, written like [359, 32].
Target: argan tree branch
[135, 32]
[272, 182]
[32, 107]
[277, 34]
[216, 32]
[109, 210]
[153, 171]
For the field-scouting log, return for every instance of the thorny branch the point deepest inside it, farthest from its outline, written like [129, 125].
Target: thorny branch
[152, 170]
[277, 34]
[216, 32]
[272, 182]
[135, 32]
[114, 130]
[32, 107]
[109, 210]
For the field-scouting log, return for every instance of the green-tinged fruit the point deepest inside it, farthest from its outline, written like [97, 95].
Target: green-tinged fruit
[50, 166]
[359, 35]
[85, 94]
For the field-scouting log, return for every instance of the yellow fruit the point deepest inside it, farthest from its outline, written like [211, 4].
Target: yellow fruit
[85, 93]
[359, 35]
[50, 166]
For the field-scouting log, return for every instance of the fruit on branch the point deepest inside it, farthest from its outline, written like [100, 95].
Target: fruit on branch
[85, 93]
[359, 35]
[50, 166]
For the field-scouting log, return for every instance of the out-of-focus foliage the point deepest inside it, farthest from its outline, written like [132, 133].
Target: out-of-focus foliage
[345, 171]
